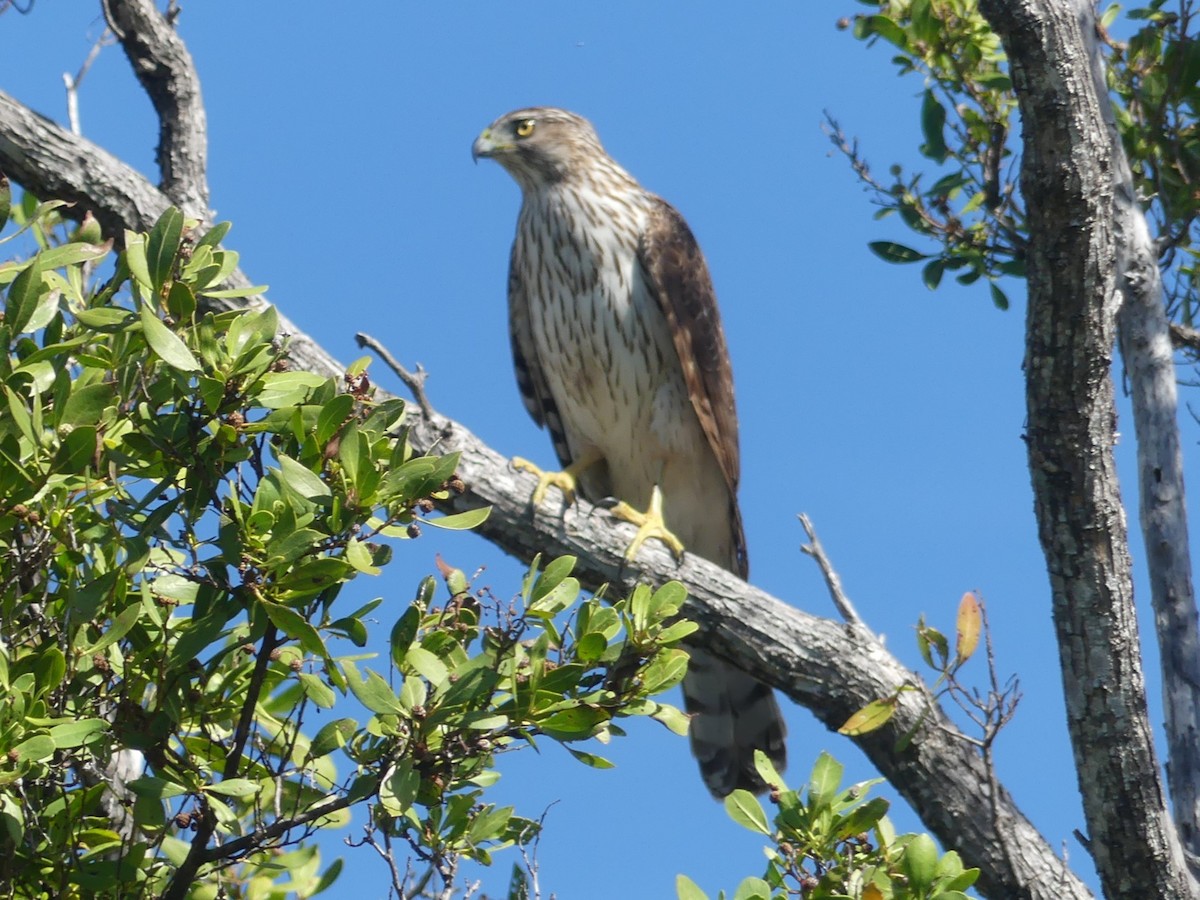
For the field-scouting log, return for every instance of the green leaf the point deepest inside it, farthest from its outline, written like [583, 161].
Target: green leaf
[359, 556]
[86, 405]
[69, 255]
[686, 889]
[933, 127]
[398, 790]
[767, 771]
[120, 627]
[553, 575]
[887, 29]
[317, 690]
[135, 258]
[462, 521]
[234, 787]
[753, 889]
[23, 296]
[743, 807]
[890, 251]
[999, 298]
[427, 665]
[214, 235]
[920, 862]
[862, 818]
[253, 290]
[34, 749]
[573, 724]
[295, 626]
[590, 759]
[824, 780]
[301, 479]
[372, 692]
[77, 733]
[163, 246]
[666, 671]
[166, 344]
[932, 273]
[332, 735]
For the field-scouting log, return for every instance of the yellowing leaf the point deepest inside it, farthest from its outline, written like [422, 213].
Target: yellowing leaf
[970, 623]
[870, 718]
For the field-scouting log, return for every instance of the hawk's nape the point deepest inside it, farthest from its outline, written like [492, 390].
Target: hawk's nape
[619, 352]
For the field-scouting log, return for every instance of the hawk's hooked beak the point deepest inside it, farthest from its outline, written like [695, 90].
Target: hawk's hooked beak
[485, 145]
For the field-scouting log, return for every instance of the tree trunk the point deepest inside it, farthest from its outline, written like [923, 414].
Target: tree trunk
[1067, 181]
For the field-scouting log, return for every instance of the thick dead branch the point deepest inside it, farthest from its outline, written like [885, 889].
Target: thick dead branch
[824, 665]
[1146, 346]
[164, 68]
[1067, 180]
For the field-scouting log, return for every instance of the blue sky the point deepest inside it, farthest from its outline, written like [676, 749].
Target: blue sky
[340, 148]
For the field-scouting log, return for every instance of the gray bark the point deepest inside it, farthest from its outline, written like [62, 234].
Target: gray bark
[1067, 181]
[1145, 337]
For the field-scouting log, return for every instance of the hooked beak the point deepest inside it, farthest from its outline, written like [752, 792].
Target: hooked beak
[485, 146]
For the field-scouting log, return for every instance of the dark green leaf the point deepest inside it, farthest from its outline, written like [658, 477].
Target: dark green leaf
[932, 273]
[933, 127]
[890, 251]
[163, 246]
[295, 626]
[86, 405]
[23, 296]
[214, 235]
[332, 735]
[999, 298]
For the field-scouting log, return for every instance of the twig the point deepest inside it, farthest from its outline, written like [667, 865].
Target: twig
[414, 381]
[72, 82]
[1185, 338]
[832, 581]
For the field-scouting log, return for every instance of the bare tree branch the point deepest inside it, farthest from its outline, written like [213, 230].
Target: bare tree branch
[824, 665]
[1067, 180]
[1146, 346]
[165, 69]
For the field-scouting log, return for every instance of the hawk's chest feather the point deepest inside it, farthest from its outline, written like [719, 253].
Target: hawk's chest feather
[601, 339]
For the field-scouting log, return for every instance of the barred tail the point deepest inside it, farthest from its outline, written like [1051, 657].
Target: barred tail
[732, 716]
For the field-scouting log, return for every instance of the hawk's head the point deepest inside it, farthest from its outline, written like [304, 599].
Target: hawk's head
[540, 145]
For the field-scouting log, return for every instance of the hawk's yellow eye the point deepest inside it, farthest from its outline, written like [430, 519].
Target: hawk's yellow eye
[525, 128]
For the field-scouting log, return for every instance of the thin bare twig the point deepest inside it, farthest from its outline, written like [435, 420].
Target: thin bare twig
[414, 381]
[72, 82]
[832, 581]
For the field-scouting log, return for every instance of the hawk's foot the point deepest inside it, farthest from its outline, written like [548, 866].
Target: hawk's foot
[650, 524]
[566, 480]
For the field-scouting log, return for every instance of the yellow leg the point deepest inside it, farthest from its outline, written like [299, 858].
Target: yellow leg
[565, 481]
[650, 524]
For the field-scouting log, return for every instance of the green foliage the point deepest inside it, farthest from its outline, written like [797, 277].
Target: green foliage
[179, 513]
[830, 843]
[968, 211]
[1155, 79]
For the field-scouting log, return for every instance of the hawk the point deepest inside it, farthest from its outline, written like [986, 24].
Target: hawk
[619, 352]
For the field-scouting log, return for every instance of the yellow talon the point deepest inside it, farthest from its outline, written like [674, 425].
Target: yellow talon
[650, 524]
[564, 480]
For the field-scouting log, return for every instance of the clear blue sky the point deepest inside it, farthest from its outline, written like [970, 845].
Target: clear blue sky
[340, 148]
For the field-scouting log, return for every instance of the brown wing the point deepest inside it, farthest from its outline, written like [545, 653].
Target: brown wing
[678, 276]
[530, 380]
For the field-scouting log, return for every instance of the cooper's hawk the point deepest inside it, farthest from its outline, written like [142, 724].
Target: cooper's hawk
[619, 352]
